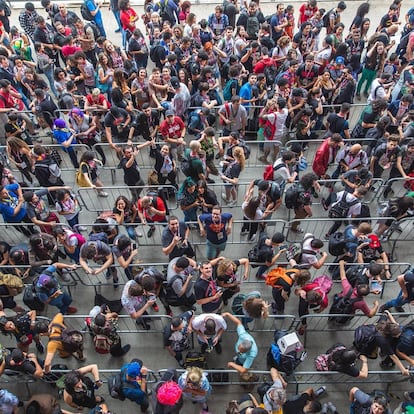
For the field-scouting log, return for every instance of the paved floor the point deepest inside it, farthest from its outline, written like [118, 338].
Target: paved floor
[148, 346]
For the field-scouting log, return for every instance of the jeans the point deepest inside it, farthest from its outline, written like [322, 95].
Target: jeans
[62, 302]
[73, 221]
[397, 302]
[213, 250]
[261, 270]
[117, 13]
[50, 78]
[75, 255]
[190, 214]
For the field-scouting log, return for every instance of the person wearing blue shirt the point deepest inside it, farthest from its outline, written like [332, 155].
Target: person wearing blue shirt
[355, 236]
[247, 91]
[11, 208]
[94, 8]
[134, 383]
[216, 226]
[49, 292]
[66, 139]
[246, 347]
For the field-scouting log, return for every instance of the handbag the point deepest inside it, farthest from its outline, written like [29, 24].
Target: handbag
[80, 179]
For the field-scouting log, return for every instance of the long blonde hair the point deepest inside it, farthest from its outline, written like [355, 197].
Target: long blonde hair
[238, 155]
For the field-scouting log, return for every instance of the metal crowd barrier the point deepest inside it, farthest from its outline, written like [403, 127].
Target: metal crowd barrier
[316, 323]
[398, 190]
[90, 200]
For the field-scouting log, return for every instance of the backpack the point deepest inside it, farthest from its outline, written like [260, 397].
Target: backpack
[6, 7]
[246, 149]
[276, 274]
[341, 208]
[115, 386]
[81, 239]
[269, 170]
[337, 244]
[269, 129]
[364, 338]
[186, 166]
[195, 359]
[270, 73]
[230, 84]
[85, 12]
[356, 275]
[323, 362]
[102, 344]
[254, 256]
[325, 283]
[237, 305]
[252, 26]
[95, 29]
[292, 196]
[325, 18]
[406, 339]
[170, 296]
[99, 237]
[71, 339]
[296, 251]
[154, 52]
[13, 283]
[343, 305]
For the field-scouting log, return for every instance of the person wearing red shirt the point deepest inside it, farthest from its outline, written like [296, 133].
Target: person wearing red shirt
[307, 11]
[326, 155]
[265, 61]
[96, 104]
[69, 48]
[151, 209]
[128, 17]
[173, 131]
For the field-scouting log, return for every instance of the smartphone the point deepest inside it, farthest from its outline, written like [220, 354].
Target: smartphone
[134, 246]
[375, 286]
[283, 246]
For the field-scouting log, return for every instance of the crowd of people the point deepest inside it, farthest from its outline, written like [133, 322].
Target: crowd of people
[196, 89]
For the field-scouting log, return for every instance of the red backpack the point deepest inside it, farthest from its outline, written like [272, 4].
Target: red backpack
[269, 129]
[269, 170]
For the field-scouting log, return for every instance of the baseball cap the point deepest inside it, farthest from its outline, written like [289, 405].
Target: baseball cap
[169, 112]
[44, 280]
[133, 369]
[374, 241]
[175, 83]
[339, 60]
[60, 123]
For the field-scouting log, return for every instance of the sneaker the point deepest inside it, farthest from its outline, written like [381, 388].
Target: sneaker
[40, 347]
[331, 407]
[117, 30]
[399, 309]
[169, 312]
[144, 325]
[82, 228]
[155, 307]
[65, 276]
[108, 275]
[324, 408]
[102, 194]
[232, 203]
[151, 231]
[252, 237]
[125, 349]
[244, 232]
[138, 233]
[324, 205]
[297, 230]
[263, 159]
[72, 309]
[210, 181]
[387, 364]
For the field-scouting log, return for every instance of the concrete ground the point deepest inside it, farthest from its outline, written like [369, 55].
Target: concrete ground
[148, 345]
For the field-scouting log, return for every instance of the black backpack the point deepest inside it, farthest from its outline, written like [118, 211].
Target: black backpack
[292, 196]
[85, 12]
[170, 296]
[356, 275]
[95, 29]
[364, 339]
[115, 386]
[343, 305]
[337, 244]
[270, 73]
[325, 18]
[341, 208]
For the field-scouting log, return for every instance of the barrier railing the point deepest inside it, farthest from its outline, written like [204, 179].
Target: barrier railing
[397, 186]
[321, 323]
[91, 201]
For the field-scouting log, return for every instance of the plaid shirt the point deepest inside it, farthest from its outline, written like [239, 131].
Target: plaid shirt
[28, 22]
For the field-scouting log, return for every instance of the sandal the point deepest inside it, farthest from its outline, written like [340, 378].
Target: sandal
[297, 230]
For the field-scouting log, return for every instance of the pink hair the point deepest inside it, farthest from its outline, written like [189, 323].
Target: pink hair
[169, 393]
